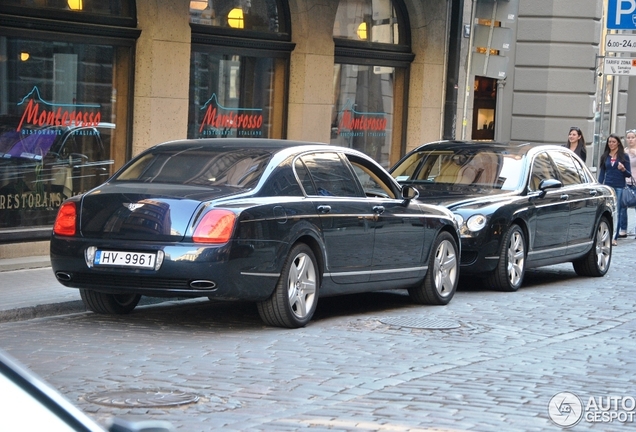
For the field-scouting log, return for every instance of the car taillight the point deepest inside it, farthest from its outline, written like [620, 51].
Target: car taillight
[65, 222]
[215, 227]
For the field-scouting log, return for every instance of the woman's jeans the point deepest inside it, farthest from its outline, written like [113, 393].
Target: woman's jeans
[622, 213]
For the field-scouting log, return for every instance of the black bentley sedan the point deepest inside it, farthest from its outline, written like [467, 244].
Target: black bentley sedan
[518, 206]
[276, 222]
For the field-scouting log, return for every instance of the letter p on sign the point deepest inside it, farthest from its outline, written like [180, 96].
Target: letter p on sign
[620, 14]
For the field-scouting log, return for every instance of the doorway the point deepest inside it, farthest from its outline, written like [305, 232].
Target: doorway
[484, 108]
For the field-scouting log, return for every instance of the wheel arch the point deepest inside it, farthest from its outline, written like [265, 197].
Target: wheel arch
[316, 247]
[523, 224]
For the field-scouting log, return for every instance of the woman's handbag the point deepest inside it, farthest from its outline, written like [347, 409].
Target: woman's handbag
[628, 198]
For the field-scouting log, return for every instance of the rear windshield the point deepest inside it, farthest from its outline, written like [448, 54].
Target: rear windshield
[199, 166]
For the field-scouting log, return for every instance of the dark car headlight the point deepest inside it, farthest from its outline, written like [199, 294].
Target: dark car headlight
[474, 224]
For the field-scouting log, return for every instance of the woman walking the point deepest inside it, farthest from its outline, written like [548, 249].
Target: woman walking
[630, 138]
[576, 142]
[614, 168]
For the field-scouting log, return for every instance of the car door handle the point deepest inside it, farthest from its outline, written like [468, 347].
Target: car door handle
[324, 209]
[593, 192]
[378, 209]
[564, 197]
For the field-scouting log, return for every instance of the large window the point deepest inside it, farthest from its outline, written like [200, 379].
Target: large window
[238, 68]
[372, 48]
[257, 15]
[64, 115]
[235, 95]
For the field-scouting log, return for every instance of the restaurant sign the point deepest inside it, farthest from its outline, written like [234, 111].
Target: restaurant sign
[220, 121]
[352, 123]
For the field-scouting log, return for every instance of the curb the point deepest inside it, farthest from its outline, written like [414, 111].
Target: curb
[25, 263]
[40, 311]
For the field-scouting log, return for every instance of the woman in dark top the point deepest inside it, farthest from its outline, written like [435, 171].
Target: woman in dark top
[576, 142]
[614, 168]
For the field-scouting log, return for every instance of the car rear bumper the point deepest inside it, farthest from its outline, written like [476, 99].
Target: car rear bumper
[232, 271]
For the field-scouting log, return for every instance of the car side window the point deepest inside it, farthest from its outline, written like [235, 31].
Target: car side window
[305, 179]
[373, 181]
[542, 169]
[331, 176]
[583, 172]
[567, 170]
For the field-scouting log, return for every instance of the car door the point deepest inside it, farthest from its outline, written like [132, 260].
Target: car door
[399, 225]
[346, 215]
[551, 212]
[582, 199]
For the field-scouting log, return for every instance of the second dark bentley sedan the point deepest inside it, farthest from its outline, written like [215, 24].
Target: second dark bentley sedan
[275, 222]
[518, 206]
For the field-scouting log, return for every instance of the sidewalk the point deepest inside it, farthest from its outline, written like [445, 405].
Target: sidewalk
[28, 288]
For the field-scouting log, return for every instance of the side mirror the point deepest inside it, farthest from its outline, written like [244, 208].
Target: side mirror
[409, 193]
[549, 184]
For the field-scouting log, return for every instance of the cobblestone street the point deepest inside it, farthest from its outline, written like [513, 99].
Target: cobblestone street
[365, 362]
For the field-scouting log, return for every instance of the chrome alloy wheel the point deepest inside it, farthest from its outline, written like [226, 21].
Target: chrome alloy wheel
[445, 268]
[603, 246]
[516, 258]
[301, 285]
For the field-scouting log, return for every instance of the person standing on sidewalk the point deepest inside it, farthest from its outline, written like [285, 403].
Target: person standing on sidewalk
[576, 142]
[614, 168]
[630, 138]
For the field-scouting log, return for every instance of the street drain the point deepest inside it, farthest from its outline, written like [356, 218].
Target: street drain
[423, 324]
[142, 398]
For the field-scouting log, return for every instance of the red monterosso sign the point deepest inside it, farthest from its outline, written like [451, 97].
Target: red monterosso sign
[52, 114]
[352, 122]
[220, 120]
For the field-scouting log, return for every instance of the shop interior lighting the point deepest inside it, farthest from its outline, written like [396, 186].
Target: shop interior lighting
[362, 31]
[235, 18]
[198, 4]
[76, 5]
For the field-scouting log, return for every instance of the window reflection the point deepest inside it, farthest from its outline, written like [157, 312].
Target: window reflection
[362, 116]
[115, 8]
[256, 15]
[368, 20]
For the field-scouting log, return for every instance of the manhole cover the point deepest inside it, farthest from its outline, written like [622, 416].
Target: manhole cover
[142, 398]
[419, 323]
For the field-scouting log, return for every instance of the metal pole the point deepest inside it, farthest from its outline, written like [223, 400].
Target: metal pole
[468, 69]
[498, 112]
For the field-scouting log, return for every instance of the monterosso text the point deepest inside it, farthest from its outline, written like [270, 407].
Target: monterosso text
[230, 120]
[32, 115]
[361, 123]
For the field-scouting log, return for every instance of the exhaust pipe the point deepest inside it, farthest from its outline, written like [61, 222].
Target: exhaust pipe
[203, 285]
[63, 276]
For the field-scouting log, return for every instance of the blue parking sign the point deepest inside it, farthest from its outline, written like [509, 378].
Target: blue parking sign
[621, 14]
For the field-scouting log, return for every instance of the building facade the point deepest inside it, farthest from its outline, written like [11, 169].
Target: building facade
[554, 76]
[87, 84]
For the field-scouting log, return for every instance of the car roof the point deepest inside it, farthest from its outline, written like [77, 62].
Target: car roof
[265, 143]
[511, 147]
[282, 147]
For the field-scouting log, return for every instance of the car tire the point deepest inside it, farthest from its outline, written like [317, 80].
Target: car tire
[294, 300]
[597, 261]
[109, 304]
[508, 275]
[442, 276]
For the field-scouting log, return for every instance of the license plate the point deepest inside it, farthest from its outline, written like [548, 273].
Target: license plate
[125, 259]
